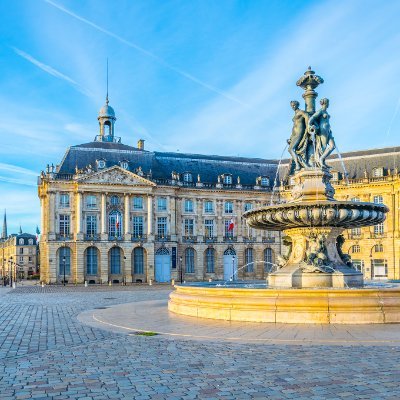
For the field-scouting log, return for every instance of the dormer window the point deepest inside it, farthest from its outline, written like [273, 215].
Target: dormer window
[335, 175]
[21, 241]
[227, 179]
[187, 177]
[124, 164]
[377, 172]
[101, 164]
[264, 181]
[30, 241]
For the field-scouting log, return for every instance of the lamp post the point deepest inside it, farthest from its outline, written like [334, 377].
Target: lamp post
[63, 260]
[233, 268]
[3, 272]
[181, 269]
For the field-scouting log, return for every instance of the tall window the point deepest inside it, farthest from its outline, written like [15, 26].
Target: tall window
[189, 260]
[137, 227]
[228, 207]
[138, 203]
[379, 229]
[379, 268]
[91, 201]
[356, 231]
[64, 200]
[115, 260]
[378, 248]
[248, 206]
[64, 257]
[162, 204]
[91, 261]
[355, 249]
[248, 255]
[377, 172]
[378, 199]
[355, 199]
[188, 205]
[64, 225]
[138, 260]
[209, 228]
[115, 224]
[228, 231]
[162, 226]
[91, 225]
[114, 200]
[268, 261]
[210, 263]
[189, 227]
[208, 207]
[264, 181]
[21, 250]
[358, 265]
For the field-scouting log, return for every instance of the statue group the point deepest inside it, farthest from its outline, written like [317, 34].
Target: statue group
[311, 141]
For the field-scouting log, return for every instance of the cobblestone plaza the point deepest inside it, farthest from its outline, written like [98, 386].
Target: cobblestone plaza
[46, 352]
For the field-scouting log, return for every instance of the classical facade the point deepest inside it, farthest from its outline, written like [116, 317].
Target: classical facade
[18, 254]
[116, 213]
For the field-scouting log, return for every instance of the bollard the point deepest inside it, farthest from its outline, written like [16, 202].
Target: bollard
[109, 283]
[85, 283]
[13, 286]
[42, 284]
[173, 282]
[209, 280]
[150, 282]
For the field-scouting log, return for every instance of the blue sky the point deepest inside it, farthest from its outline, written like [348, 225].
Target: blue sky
[212, 77]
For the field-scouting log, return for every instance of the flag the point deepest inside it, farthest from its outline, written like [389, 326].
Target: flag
[37, 233]
[117, 221]
[231, 225]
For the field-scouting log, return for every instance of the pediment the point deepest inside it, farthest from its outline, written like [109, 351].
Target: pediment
[115, 176]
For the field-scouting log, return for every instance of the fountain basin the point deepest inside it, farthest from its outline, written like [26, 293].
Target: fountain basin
[281, 305]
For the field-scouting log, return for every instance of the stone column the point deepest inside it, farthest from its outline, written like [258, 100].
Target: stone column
[52, 215]
[43, 228]
[149, 215]
[103, 216]
[241, 231]
[126, 217]
[172, 213]
[78, 229]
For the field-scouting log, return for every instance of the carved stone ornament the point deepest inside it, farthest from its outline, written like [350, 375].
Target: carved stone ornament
[117, 176]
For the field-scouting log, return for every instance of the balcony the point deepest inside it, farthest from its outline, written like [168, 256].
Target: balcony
[210, 239]
[268, 239]
[230, 239]
[139, 238]
[92, 238]
[162, 238]
[249, 239]
[378, 235]
[60, 236]
[115, 238]
[355, 236]
[189, 239]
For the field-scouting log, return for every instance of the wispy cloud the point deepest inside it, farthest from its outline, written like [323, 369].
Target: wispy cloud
[17, 175]
[149, 54]
[16, 169]
[50, 70]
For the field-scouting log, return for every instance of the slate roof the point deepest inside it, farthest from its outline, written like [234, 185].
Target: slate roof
[162, 164]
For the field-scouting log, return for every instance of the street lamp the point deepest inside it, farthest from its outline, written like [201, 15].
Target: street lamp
[63, 260]
[233, 268]
[181, 268]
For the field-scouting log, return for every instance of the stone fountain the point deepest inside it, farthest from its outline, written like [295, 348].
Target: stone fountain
[313, 219]
[315, 283]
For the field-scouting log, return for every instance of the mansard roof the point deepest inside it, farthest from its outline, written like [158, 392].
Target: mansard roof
[160, 165]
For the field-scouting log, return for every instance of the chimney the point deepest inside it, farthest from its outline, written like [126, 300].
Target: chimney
[140, 144]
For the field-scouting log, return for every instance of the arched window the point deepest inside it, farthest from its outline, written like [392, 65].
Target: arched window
[189, 260]
[248, 259]
[30, 241]
[21, 241]
[91, 261]
[138, 260]
[115, 261]
[355, 248]
[264, 181]
[101, 164]
[124, 164]
[162, 251]
[230, 252]
[64, 258]
[210, 262]
[268, 260]
[115, 224]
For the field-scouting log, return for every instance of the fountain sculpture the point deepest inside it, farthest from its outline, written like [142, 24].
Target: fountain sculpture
[315, 283]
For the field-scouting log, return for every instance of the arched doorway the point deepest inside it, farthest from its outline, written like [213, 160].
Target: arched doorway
[64, 264]
[115, 264]
[163, 265]
[91, 264]
[268, 260]
[230, 264]
[138, 264]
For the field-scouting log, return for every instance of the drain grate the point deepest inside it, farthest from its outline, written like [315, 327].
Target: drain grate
[110, 298]
[100, 308]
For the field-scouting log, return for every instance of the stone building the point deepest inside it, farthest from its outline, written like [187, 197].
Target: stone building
[18, 254]
[116, 213]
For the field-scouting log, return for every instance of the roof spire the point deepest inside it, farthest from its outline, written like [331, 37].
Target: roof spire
[107, 83]
[4, 233]
[20, 229]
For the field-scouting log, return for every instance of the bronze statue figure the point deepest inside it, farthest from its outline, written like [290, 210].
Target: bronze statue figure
[319, 127]
[299, 130]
